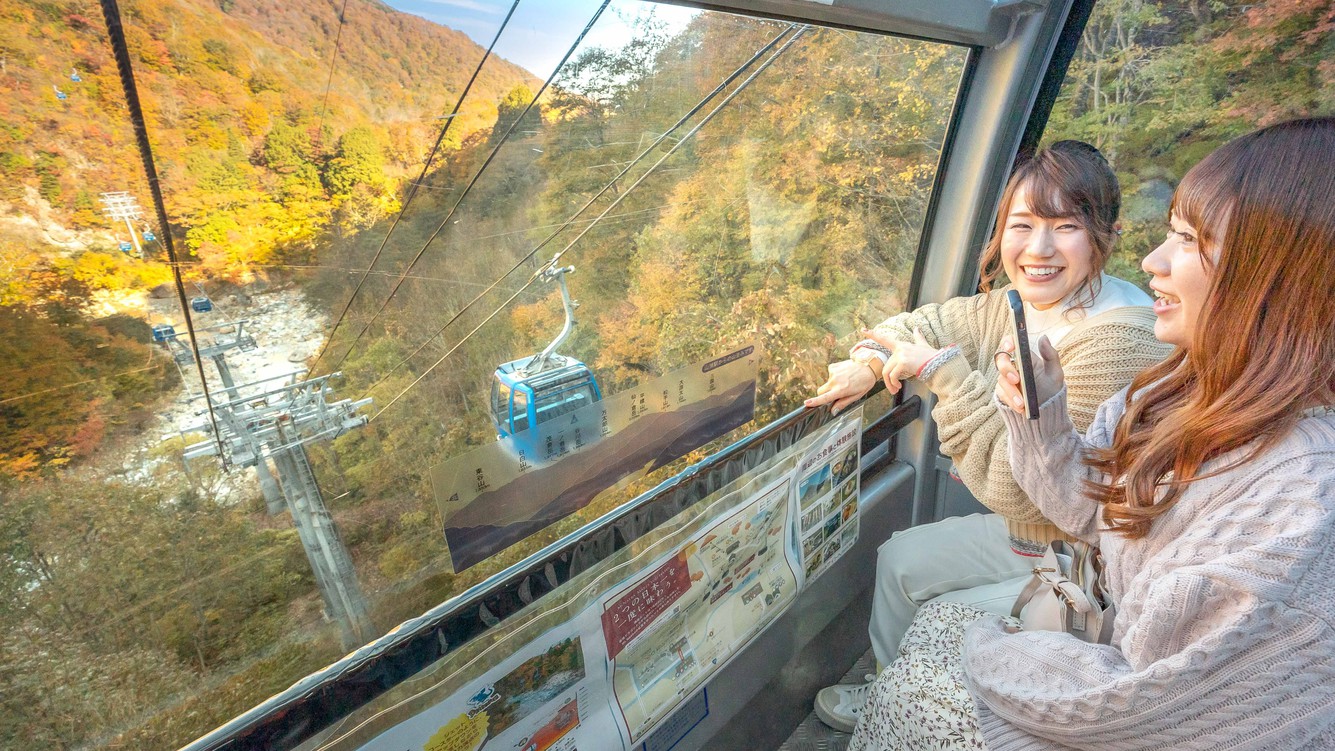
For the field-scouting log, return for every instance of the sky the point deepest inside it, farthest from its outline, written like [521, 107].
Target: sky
[541, 31]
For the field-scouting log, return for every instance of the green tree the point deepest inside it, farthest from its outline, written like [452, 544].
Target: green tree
[510, 108]
[359, 159]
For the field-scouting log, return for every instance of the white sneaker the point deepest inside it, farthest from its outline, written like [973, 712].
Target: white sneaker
[839, 706]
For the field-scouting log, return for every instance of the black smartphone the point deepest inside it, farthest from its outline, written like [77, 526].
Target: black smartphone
[1023, 360]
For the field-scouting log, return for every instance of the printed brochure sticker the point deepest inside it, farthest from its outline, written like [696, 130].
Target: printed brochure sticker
[668, 630]
[825, 496]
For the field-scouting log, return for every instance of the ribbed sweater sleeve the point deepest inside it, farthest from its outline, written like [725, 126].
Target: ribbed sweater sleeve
[1223, 637]
[1045, 459]
[1098, 359]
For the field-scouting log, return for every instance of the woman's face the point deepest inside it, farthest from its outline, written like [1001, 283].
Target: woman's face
[1046, 259]
[1181, 282]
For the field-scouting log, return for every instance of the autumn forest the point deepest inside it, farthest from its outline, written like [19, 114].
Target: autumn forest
[145, 599]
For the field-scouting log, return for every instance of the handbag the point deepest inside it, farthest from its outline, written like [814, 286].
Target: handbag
[1067, 594]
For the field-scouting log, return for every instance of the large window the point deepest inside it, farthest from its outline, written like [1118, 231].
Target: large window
[1157, 85]
[149, 594]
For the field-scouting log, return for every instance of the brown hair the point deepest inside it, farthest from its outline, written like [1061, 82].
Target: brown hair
[1067, 179]
[1264, 345]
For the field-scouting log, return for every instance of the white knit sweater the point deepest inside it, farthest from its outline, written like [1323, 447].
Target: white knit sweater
[1225, 629]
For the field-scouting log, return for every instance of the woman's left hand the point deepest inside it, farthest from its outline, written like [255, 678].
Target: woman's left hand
[906, 358]
[1048, 375]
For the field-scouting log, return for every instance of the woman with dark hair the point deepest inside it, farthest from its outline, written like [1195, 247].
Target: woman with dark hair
[1209, 486]
[1056, 227]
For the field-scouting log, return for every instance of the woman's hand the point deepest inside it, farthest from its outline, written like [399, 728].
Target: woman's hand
[906, 358]
[848, 381]
[1048, 375]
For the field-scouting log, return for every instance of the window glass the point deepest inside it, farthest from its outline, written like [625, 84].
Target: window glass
[333, 224]
[519, 411]
[1157, 85]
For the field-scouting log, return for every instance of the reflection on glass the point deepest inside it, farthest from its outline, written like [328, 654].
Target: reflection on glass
[715, 179]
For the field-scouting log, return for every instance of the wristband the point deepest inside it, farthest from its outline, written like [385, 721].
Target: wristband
[876, 348]
[934, 364]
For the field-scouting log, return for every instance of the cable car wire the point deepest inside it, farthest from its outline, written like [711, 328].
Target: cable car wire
[416, 184]
[333, 62]
[610, 184]
[505, 137]
[684, 139]
[116, 35]
[132, 371]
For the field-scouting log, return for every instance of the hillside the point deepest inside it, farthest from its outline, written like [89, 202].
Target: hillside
[216, 79]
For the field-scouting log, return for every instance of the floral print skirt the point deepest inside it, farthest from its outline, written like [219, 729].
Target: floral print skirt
[919, 702]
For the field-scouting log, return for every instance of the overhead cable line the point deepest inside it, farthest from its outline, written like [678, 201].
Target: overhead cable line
[329, 82]
[684, 139]
[468, 188]
[610, 184]
[132, 371]
[477, 328]
[416, 184]
[116, 34]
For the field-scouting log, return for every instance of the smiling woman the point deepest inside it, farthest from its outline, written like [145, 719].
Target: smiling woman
[1055, 229]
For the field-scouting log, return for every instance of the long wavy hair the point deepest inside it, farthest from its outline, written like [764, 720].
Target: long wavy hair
[1263, 348]
[1067, 179]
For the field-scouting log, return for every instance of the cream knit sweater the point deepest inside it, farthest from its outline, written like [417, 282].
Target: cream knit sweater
[1099, 356]
[1225, 629]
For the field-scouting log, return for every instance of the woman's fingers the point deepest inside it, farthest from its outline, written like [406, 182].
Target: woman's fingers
[824, 395]
[840, 405]
[848, 381]
[1046, 351]
[1008, 380]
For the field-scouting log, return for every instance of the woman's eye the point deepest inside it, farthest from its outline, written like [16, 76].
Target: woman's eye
[1019, 225]
[1069, 226]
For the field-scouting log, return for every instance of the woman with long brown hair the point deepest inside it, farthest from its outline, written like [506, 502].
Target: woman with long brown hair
[1055, 229]
[1209, 486]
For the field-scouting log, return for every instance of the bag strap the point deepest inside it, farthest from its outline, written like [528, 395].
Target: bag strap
[1026, 594]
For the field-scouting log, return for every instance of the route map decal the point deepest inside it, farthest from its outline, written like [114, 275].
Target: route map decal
[496, 495]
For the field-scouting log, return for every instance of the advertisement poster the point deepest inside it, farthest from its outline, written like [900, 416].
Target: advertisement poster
[499, 494]
[825, 493]
[547, 696]
[668, 629]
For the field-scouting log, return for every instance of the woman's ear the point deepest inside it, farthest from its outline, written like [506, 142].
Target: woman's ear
[1117, 228]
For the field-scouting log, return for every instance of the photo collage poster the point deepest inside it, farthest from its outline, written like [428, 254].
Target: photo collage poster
[825, 495]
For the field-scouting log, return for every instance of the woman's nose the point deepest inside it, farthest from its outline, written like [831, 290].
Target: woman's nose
[1156, 263]
[1040, 244]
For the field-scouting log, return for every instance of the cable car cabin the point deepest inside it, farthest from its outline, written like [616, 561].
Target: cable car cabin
[201, 304]
[870, 157]
[520, 403]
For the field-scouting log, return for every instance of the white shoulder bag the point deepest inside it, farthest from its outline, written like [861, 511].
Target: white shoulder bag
[1067, 594]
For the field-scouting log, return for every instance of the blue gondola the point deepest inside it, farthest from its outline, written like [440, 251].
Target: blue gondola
[74, 75]
[530, 391]
[126, 246]
[201, 304]
[62, 96]
[149, 236]
[162, 332]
